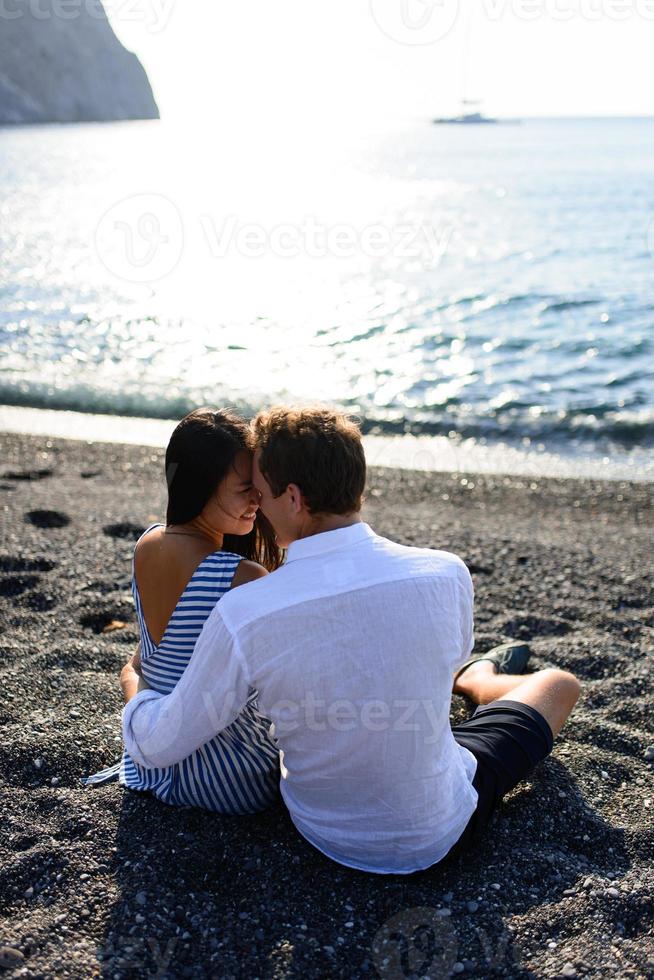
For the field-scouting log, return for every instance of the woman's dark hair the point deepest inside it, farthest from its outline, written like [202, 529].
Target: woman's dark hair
[199, 456]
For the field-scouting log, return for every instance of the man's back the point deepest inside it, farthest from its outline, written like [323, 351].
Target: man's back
[352, 646]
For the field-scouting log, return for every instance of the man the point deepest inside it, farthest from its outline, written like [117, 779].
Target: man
[352, 645]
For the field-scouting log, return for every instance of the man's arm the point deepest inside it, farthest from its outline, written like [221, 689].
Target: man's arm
[160, 730]
[466, 594]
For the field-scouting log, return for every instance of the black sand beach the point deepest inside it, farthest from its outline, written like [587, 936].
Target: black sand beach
[106, 882]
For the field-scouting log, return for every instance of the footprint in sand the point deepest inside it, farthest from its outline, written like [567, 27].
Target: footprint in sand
[476, 569]
[107, 586]
[125, 530]
[15, 585]
[110, 620]
[39, 601]
[8, 563]
[27, 474]
[48, 519]
[24, 586]
[24, 842]
[527, 627]
[633, 602]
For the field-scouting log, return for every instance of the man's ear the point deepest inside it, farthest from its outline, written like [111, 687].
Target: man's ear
[296, 497]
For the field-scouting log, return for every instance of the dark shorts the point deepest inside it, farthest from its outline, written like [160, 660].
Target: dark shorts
[508, 740]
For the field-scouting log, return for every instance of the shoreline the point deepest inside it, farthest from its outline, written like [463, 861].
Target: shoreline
[426, 453]
[102, 882]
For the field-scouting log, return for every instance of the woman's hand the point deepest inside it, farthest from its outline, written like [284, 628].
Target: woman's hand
[131, 678]
[142, 685]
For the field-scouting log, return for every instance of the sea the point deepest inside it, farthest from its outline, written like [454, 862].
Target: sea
[483, 295]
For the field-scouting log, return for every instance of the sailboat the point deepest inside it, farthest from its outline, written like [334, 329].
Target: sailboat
[467, 117]
[470, 113]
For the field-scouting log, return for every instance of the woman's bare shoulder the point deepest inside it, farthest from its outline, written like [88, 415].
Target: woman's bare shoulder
[149, 538]
[165, 557]
[163, 566]
[149, 547]
[247, 571]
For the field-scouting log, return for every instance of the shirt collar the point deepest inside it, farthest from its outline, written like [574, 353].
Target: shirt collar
[320, 544]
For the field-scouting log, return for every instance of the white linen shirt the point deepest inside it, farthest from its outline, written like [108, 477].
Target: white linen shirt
[352, 645]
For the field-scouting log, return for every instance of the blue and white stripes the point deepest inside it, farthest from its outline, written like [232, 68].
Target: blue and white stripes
[238, 770]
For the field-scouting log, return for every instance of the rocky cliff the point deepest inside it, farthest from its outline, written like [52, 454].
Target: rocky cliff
[62, 62]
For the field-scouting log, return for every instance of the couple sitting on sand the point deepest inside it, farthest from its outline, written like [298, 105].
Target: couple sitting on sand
[352, 648]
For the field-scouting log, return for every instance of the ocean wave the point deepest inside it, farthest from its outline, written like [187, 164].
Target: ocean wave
[622, 432]
[560, 306]
[598, 424]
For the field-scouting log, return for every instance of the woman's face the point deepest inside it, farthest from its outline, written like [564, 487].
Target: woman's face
[233, 507]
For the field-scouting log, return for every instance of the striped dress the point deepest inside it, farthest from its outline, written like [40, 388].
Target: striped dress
[238, 770]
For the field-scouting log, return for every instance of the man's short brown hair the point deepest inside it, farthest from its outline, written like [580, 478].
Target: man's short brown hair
[318, 449]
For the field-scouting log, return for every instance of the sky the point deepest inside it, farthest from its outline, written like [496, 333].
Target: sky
[344, 62]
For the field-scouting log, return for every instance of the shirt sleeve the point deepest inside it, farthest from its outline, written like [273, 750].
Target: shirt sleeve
[160, 730]
[466, 594]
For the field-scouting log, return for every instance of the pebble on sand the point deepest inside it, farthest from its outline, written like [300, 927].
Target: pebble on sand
[10, 957]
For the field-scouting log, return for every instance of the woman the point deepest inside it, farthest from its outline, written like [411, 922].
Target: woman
[214, 540]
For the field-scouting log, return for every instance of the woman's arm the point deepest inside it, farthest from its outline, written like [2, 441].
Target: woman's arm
[130, 676]
[159, 730]
[247, 571]
[131, 679]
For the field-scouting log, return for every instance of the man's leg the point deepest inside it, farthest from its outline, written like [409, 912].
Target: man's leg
[552, 692]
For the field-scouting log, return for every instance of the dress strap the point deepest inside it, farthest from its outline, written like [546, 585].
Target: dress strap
[140, 537]
[148, 529]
